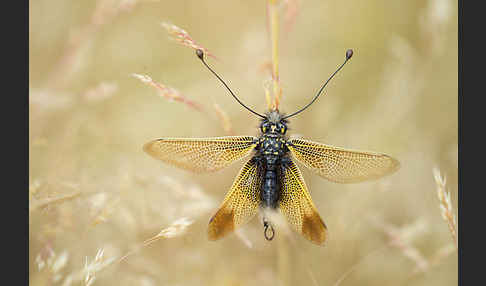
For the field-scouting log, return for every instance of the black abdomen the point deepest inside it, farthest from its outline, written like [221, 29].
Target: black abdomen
[271, 186]
[271, 151]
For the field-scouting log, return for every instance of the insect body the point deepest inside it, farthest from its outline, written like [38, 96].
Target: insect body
[270, 179]
[271, 154]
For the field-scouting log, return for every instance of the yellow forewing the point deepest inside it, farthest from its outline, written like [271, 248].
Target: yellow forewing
[297, 206]
[341, 165]
[201, 154]
[240, 204]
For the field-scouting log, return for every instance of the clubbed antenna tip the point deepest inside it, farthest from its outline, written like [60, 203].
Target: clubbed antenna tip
[200, 53]
[349, 54]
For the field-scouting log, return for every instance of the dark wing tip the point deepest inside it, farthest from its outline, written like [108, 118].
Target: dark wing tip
[147, 146]
[221, 224]
[314, 229]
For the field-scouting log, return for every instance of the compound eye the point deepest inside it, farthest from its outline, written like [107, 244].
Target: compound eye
[264, 128]
[282, 128]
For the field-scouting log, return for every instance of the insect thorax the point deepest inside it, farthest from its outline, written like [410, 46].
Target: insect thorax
[272, 147]
[272, 141]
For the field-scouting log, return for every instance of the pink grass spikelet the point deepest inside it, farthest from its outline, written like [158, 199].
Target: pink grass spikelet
[168, 92]
[183, 37]
[177, 228]
[291, 12]
[445, 203]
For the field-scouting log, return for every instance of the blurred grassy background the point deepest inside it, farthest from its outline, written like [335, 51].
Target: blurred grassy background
[92, 187]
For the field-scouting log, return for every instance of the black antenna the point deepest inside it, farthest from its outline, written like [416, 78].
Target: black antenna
[349, 54]
[200, 55]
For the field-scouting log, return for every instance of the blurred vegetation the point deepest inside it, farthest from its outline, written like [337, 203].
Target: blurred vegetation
[95, 196]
